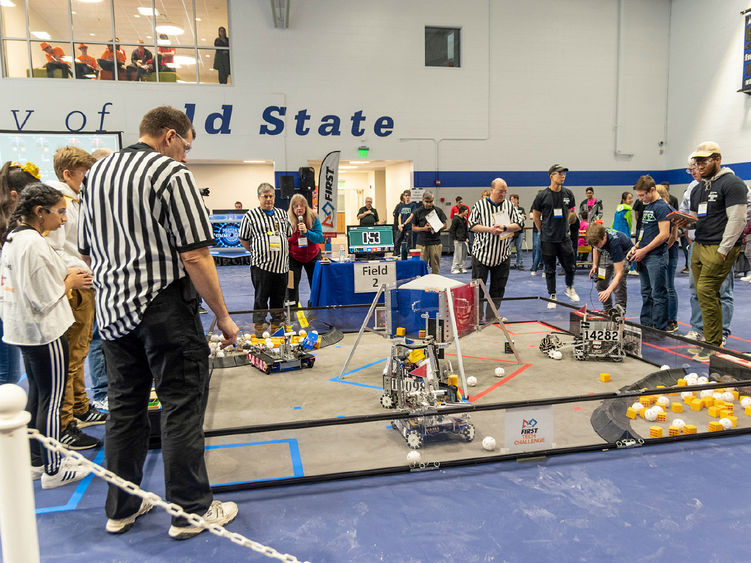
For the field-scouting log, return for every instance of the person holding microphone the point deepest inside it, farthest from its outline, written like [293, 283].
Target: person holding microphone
[304, 251]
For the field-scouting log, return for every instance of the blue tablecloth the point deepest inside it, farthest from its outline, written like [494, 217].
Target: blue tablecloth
[334, 284]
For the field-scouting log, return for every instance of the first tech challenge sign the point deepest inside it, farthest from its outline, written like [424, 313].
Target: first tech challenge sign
[529, 429]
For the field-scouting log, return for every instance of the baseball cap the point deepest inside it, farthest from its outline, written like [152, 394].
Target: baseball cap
[705, 149]
[44, 45]
[83, 46]
[557, 168]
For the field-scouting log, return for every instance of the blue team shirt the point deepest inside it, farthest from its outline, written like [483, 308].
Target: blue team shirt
[617, 244]
[654, 213]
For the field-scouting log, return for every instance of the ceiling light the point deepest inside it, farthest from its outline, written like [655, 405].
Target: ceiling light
[7, 4]
[170, 29]
[254, 161]
[92, 34]
[41, 35]
[198, 19]
[90, 1]
[359, 162]
[136, 16]
[345, 167]
[147, 11]
[182, 60]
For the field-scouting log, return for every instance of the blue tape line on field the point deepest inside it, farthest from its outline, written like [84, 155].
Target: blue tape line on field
[338, 379]
[294, 454]
[77, 494]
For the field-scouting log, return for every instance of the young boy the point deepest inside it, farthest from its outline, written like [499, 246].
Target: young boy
[71, 164]
[459, 235]
[609, 264]
[650, 252]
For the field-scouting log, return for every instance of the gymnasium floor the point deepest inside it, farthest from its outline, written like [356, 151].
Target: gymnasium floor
[657, 503]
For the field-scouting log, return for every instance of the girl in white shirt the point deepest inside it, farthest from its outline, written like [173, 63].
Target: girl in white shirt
[34, 282]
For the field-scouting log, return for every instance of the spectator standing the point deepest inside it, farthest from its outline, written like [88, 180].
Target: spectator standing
[651, 253]
[304, 251]
[457, 205]
[165, 56]
[672, 264]
[591, 206]
[14, 177]
[518, 239]
[536, 249]
[429, 240]
[71, 164]
[459, 235]
[221, 57]
[36, 314]
[148, 314]
[638, 211]
[265, 232]
[238, 205]
[553, 211]
[609, 264]
[493, 220]
[623, 219]
[368, 215]
[403, 224]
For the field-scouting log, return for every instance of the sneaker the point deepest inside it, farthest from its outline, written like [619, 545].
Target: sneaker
[202, 310]
[694, 335]
[684, 271]
[219, 513]
[533, 273]
[571, 294]
[543, 274]
[703, 355]
[103, 405]
[633, 273]
[453, 271]
[463, 271]
[73, 439]
[69, 472]
[724, 341]
[672, 326]
[122, 525]
[36, 472]
[90, 418]
[550, 304]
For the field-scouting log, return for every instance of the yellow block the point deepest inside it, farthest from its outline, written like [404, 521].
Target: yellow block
[714, 425]
[689, 429]
[726, 413]
[748, 411]
[631, 413]
[604, 377]
[735, 394]
[421, 334]
[655, 432]
[681, 383]
[416, 356]
[401, 331]
[660, 387]
[676, 407]
[734, 420]
[646, 401]
[719, 403]
[662, 417]
[714, 411]
[673, 430]
[696, 405]
[708, 401]
[689, 398]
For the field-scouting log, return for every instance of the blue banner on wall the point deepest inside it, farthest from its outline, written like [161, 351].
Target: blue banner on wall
[746, 82]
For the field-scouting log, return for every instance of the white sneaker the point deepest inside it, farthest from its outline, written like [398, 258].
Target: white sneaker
[633, 273]
[220, 513]
[746, 278]
[103, 405]
[69, 472]
[533, 273]
[551, 305]
[36, 472]
[571, 294]
[543, 274]
[693, 335]
[122, 525]
[724, 341]
[455, 271]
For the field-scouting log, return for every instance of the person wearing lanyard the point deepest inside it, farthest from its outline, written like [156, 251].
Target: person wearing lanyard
[304, 251]
[650, 252]
[719, 203]
[264, 232]
[609, 249]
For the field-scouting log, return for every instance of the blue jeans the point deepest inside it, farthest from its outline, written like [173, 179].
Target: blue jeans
[10, 361]
[726, 301]
[518, 244]
[654, 295]
[97, 366]
[536, 251]
[670, 280]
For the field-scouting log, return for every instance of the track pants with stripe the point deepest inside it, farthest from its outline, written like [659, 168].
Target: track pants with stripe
[47, 370]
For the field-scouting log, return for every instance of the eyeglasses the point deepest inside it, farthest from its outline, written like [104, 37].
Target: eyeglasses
[186, 145]
[702, 161]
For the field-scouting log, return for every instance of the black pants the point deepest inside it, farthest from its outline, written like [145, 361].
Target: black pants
[47, 370]
[296, 268]
[168, 347]
[402, 237]
[53, 66]
[269, 289]
[565, 254]
[498, 279]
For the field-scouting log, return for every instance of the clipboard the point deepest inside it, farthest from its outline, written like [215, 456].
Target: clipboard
[673, 215]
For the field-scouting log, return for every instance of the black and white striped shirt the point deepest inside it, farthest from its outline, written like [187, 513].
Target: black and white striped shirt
[140, 209]
[261, 229]
[490, 249]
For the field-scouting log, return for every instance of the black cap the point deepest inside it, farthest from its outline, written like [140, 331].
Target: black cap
[557, 168]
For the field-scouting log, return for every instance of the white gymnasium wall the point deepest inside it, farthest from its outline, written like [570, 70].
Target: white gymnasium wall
[229, 183]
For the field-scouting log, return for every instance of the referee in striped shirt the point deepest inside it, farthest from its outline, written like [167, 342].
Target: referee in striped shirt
[264, 232]
[146, 232]
[492, 220]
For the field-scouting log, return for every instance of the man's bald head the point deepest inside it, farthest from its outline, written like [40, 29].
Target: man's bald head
[498, 189]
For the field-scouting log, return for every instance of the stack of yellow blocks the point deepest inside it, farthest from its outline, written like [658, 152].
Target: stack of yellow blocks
[689, 429]
[681, 383]
[676, 407]
[604, 377]
[662, 417]
[674, 430]
[714, 425]
[655, 432]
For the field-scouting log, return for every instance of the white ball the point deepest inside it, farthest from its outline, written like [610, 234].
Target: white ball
[471, 381]
[703, 380]
[557, 355]
[706, 393]
[220, 353]
[717, 395]
[266, 334]
[246, 336]
[269, 343]
[679, 422]
[746, 402]
[727, 424]
[686, 394]
[693, 374]
[413, 457]
[303, 333]
[637, 406]
[650, 415]
[663, 401]
[500, 372]
[488, 443]
[728, 397]
[658, 409]
[692, 378]
[664, 367]
[216, 338]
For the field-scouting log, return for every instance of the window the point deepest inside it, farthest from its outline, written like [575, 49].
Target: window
[121, 40]
[442, 46]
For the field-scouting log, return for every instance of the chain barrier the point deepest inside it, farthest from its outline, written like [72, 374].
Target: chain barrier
[171, 508]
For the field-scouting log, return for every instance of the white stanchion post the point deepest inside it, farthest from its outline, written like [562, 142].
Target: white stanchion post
[18, 526]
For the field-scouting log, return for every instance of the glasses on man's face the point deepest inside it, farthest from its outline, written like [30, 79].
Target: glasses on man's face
[703, 161]
[186, 145]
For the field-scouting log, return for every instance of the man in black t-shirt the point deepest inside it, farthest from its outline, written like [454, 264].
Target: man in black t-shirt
[609, 250]
[552, 212]
[368, 215]
[428, 240]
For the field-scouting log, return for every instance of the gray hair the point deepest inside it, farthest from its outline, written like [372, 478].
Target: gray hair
[427, 196]
[265, 187]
